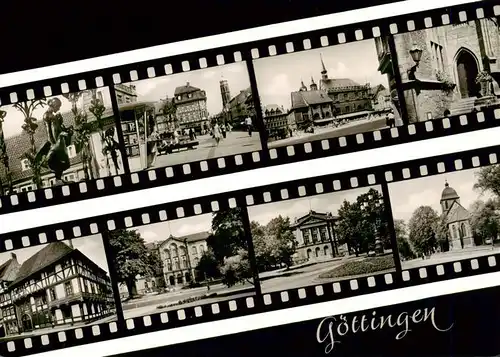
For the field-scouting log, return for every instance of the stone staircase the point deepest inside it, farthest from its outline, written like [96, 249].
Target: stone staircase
[462, 106]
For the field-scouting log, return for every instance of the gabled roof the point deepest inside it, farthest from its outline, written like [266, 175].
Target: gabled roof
[315, 215]
[378, 89]
[457, 213]
[336, 83]
[19, 144]
[195, 237]
[42, 259]
[242, 97]
[9, 270]
[302, 99]
[185, 89]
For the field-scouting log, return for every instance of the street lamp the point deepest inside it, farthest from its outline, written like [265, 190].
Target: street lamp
[416, 56]
[379, 249]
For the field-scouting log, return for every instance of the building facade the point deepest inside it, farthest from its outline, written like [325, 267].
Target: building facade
[457, 219]
[19, 144]
[241, 106]
[180, 257]
[311, 106]
[276, 118]
[446, 77]
[125, 93]
[191, 107]
[316, 238]
[381, 99]
[58, 285]
[347, 95]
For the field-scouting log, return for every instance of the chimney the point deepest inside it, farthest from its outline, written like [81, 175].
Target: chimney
[13, 256]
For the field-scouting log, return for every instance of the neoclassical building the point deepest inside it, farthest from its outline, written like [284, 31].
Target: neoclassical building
[445, 78]
[316, 238]
[58, 285]
[180, 257]
[457, 219]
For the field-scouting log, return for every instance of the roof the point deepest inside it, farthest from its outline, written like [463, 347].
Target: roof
[313, 214]
[457, 213]
[302, 99]
[379, 88]
[185, 89]
[195, 237]
[242, 97]
[449, 193]
[9, 270]
[336, 83]
[19, 144]
[42, 259]
[273, 109]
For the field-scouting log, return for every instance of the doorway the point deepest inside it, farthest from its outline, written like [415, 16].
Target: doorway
[27, 323]
[467, 72]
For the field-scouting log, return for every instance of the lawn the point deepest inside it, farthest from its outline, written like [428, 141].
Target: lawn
[366, 266]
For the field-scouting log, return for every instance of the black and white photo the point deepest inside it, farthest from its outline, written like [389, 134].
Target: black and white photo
[58, 140]
[324, 93]
[447, 217]
[321, 239]
[448, 70]
[188, 117]
[181, 263]
[54, 287]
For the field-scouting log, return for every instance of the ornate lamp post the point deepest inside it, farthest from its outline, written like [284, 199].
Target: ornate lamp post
[416, 56]
[379, 248]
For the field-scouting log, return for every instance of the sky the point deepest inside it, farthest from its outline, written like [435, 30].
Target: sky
[91, 246]
[278, 76]
[15, 119]
[296, 208]
[406, 196]
[206, 79]
[178, 228]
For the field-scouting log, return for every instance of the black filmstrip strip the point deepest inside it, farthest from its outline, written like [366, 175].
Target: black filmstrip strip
[258, 157]
[246, 301]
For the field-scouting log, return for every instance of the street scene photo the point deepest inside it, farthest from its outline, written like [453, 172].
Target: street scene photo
[182, 263]
[448, 70]
[321, 239]
[187, 117]
[325, 93]
[58, 140]
[447, 217]
[54, 287]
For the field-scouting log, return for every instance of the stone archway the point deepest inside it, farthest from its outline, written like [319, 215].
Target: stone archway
[467, 71]
[27, 322]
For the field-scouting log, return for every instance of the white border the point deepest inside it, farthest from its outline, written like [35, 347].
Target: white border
[277, 318]
[227, 39]
[170, 193]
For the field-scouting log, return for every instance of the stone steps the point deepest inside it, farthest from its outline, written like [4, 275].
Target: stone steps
[462, 106]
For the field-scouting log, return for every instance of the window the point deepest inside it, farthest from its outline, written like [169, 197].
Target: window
[99, 95]
[25, 165]
[437, 56]
[68, 288]
[322, 233]
[314, 235]
[71, 151]
[169, 265]
[194, 250]
[52, 293]
[306, 233]
[119, 98]
[178, 97]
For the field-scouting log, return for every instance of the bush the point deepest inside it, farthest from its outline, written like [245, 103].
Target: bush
[360, 267]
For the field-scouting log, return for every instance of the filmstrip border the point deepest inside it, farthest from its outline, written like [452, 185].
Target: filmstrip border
[258, 159]
[260, 302]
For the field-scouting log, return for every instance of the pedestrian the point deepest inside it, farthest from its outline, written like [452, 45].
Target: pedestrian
[223, 130]
[191, 135]
[248, 123]
[217, 133]
[392, 121]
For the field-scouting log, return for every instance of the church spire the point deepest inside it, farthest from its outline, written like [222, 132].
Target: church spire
[302, 85]
[324, 72]
[313, 85]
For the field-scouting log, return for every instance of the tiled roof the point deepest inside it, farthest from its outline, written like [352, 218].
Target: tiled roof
[185, 89]
[9, 270]
[457, 213]
[19, 144]
[242, 97]
[334, 83]
[302, 99]
[42, 259]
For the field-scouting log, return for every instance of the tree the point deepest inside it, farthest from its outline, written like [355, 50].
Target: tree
[169, 110]
[404, 248]
[281, 241]
[421, 228]
[236, 269]
[442, 233]
[208, 265]
[353, 228]
[374, 211]
[30, 125]
[228, 234]
[131, 258]
[485, 221]
[488, 179]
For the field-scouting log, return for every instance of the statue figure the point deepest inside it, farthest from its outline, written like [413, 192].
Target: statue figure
[56, 149]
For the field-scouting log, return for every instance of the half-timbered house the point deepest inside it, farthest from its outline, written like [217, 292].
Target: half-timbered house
[8, 273]
[55, 286]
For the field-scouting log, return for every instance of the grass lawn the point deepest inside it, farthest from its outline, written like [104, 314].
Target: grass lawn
[366, 266]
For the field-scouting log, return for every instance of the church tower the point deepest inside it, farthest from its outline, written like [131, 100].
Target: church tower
[303, 87]
[313, 85]
[324, 72]
[448, 197]
[224, 92]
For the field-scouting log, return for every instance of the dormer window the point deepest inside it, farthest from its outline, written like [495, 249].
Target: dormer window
[178, 97]
[25, 164]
